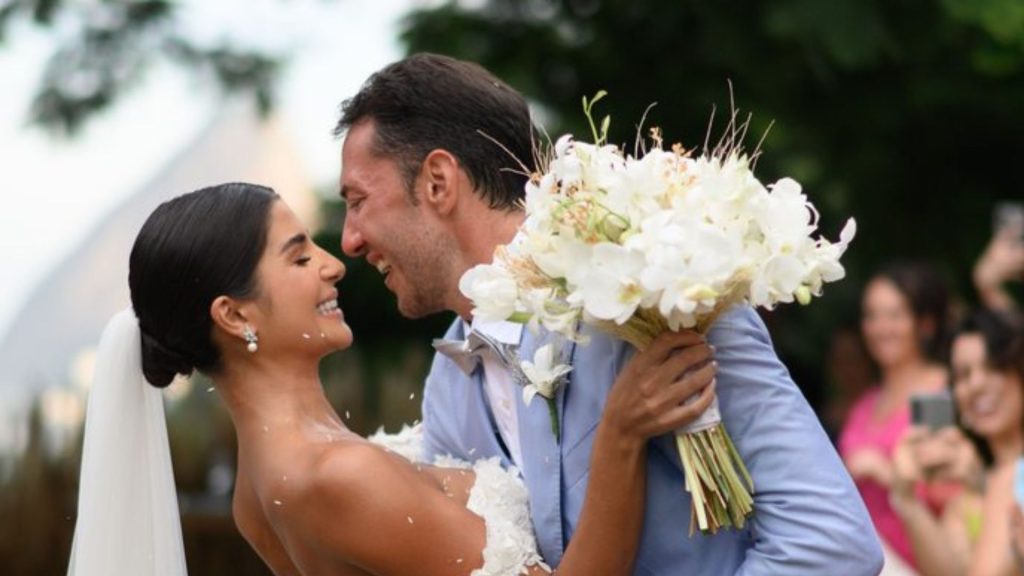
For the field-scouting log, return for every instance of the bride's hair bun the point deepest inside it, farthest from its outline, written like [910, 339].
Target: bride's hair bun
[160, 364]
[192, 250]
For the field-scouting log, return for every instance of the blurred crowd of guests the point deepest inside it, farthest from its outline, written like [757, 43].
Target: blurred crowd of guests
[944, 494]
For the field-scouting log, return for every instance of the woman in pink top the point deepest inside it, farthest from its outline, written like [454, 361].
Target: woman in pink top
[903, 312]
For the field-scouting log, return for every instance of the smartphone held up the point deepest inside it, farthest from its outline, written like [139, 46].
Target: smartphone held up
[1008, 217]
[933, 410]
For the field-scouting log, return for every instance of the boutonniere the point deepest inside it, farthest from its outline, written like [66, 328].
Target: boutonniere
[544, 378]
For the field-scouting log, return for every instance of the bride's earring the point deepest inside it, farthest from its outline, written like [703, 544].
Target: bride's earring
[250, 339]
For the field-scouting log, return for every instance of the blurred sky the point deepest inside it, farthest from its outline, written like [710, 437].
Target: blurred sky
[55, 190]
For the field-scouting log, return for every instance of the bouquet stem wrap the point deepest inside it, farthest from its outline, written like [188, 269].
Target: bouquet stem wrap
[717, 479]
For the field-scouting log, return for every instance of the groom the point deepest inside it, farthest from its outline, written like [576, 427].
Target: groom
[430, 195]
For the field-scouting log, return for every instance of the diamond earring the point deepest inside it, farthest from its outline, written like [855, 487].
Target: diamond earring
[250, 339]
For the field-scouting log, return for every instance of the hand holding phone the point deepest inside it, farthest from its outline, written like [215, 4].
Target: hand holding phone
[1008, 218]
[933, 410]
[1003, 258]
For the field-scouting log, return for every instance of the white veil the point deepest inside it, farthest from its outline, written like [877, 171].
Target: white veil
[128, 522]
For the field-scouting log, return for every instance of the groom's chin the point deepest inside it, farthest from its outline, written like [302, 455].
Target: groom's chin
[411, 313]
[414, 309]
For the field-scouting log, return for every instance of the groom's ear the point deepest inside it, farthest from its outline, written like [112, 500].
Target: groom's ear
[228, 316]
[443, 178]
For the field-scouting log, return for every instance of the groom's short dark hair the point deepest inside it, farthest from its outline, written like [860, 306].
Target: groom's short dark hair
[428, 101]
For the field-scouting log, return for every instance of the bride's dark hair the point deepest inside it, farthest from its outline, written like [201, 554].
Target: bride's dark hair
[192, 249]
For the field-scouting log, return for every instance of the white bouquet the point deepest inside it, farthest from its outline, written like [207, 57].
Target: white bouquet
[655, 241]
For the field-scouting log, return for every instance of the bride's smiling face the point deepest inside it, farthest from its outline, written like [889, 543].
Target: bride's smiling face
[297, 306]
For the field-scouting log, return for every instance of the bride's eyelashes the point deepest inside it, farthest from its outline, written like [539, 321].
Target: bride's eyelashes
[303, 260]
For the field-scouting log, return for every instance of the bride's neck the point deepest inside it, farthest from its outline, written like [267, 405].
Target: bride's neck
[265, 397]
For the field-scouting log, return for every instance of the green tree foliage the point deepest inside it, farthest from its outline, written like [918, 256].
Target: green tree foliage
[906, 115]
[106, 46]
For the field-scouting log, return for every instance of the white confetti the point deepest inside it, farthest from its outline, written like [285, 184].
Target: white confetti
[471, 450]
[322, 335]
[277, 502]
[458, 561]
[210, 389]
[411, 396]
[409, 518]
[347, 415]
[266, 428]
[306, 336]
[284, 478]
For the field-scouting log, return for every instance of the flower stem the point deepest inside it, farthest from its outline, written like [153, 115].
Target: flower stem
[717, 480]
[553, 412]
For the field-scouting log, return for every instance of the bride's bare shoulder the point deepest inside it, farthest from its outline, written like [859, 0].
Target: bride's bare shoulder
[349, 473]
[352, 462]
[351, 493]
[359, 499]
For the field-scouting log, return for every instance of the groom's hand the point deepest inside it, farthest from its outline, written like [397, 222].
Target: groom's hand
[662, 388]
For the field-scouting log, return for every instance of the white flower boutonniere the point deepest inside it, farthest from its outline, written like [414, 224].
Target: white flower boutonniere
[545, 378]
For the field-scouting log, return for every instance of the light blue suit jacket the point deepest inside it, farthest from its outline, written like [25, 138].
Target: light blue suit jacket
[808, 517]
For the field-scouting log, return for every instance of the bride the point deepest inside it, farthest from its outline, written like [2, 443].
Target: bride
[226, 281]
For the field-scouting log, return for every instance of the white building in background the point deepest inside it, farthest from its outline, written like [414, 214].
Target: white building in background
[48, 349]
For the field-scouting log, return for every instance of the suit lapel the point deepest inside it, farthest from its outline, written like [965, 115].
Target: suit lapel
[489, 441]
[541, 466]
[482, 439]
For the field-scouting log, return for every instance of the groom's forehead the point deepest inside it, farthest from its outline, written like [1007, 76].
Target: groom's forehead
[360, 142]
[367, 175]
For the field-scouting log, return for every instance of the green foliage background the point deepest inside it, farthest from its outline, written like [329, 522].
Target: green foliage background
[906, 115]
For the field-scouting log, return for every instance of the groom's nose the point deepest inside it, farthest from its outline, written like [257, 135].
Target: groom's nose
[352, 243]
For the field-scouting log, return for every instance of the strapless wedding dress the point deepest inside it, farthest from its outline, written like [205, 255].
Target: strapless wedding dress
[498, 496]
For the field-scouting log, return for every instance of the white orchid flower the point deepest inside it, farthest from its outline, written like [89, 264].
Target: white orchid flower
[493, 291]
[544, 375]
[611, 288]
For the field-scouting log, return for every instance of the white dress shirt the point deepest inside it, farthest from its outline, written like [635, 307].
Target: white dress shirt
[500, 387]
